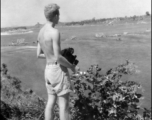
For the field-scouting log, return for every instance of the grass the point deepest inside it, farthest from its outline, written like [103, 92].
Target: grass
[107, 52]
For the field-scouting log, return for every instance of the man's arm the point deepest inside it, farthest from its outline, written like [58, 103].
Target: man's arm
[40, 53]
[57, 52]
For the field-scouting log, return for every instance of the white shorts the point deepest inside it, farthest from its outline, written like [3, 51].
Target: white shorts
[57, 81]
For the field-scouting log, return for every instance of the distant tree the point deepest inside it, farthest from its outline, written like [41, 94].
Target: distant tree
[121, 18]
[93, 19]
[134, 17]
[147, 13]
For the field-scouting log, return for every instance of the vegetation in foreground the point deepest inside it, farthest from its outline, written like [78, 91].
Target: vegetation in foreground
[97, 97]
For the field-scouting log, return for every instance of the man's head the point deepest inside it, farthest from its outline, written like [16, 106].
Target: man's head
[51, 12]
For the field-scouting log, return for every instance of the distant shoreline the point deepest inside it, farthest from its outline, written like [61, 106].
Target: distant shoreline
[15, 32]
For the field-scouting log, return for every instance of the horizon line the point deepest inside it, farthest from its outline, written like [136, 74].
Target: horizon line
[76, 21]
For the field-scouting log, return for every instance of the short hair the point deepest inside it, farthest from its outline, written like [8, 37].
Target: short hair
[51, 11]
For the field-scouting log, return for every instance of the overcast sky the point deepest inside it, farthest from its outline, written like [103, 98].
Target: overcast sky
[29, 12]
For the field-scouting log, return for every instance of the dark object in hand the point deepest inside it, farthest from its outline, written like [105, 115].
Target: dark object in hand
[68, 54]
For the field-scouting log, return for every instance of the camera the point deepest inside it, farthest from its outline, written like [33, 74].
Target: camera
[68, 54]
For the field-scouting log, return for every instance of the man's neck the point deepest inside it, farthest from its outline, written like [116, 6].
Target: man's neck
[51, 24]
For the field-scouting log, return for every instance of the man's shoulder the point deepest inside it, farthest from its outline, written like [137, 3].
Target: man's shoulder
[49, 33]
[54, 32]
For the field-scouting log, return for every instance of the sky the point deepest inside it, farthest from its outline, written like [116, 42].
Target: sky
[30, 12]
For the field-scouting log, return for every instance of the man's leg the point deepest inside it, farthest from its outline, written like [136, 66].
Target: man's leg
[64, 106]
[50, 107]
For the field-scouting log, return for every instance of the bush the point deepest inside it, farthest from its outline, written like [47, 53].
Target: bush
[107, 97]
[147, 13]
[97, 97]
[16, 103]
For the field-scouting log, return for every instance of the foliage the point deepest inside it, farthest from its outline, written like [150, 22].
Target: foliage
[107, 97]
[147, 13]
[134, 17]
[97, 97]
[103, 20]
[16, 103]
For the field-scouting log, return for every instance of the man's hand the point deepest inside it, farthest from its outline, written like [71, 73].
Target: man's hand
[75, 69]
[40, 53]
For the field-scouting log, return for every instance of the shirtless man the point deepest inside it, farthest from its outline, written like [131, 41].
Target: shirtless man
[56, 73]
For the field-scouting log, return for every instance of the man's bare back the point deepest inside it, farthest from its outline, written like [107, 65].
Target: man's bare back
[49, 41]
[45, 39]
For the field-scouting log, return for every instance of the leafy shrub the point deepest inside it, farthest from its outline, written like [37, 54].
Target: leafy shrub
[107, 97]
[147, 13]
[17, 103]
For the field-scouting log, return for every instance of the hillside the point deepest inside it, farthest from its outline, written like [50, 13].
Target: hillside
[98, 96]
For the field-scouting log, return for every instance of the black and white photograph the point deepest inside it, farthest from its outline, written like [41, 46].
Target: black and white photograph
[75, 60]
